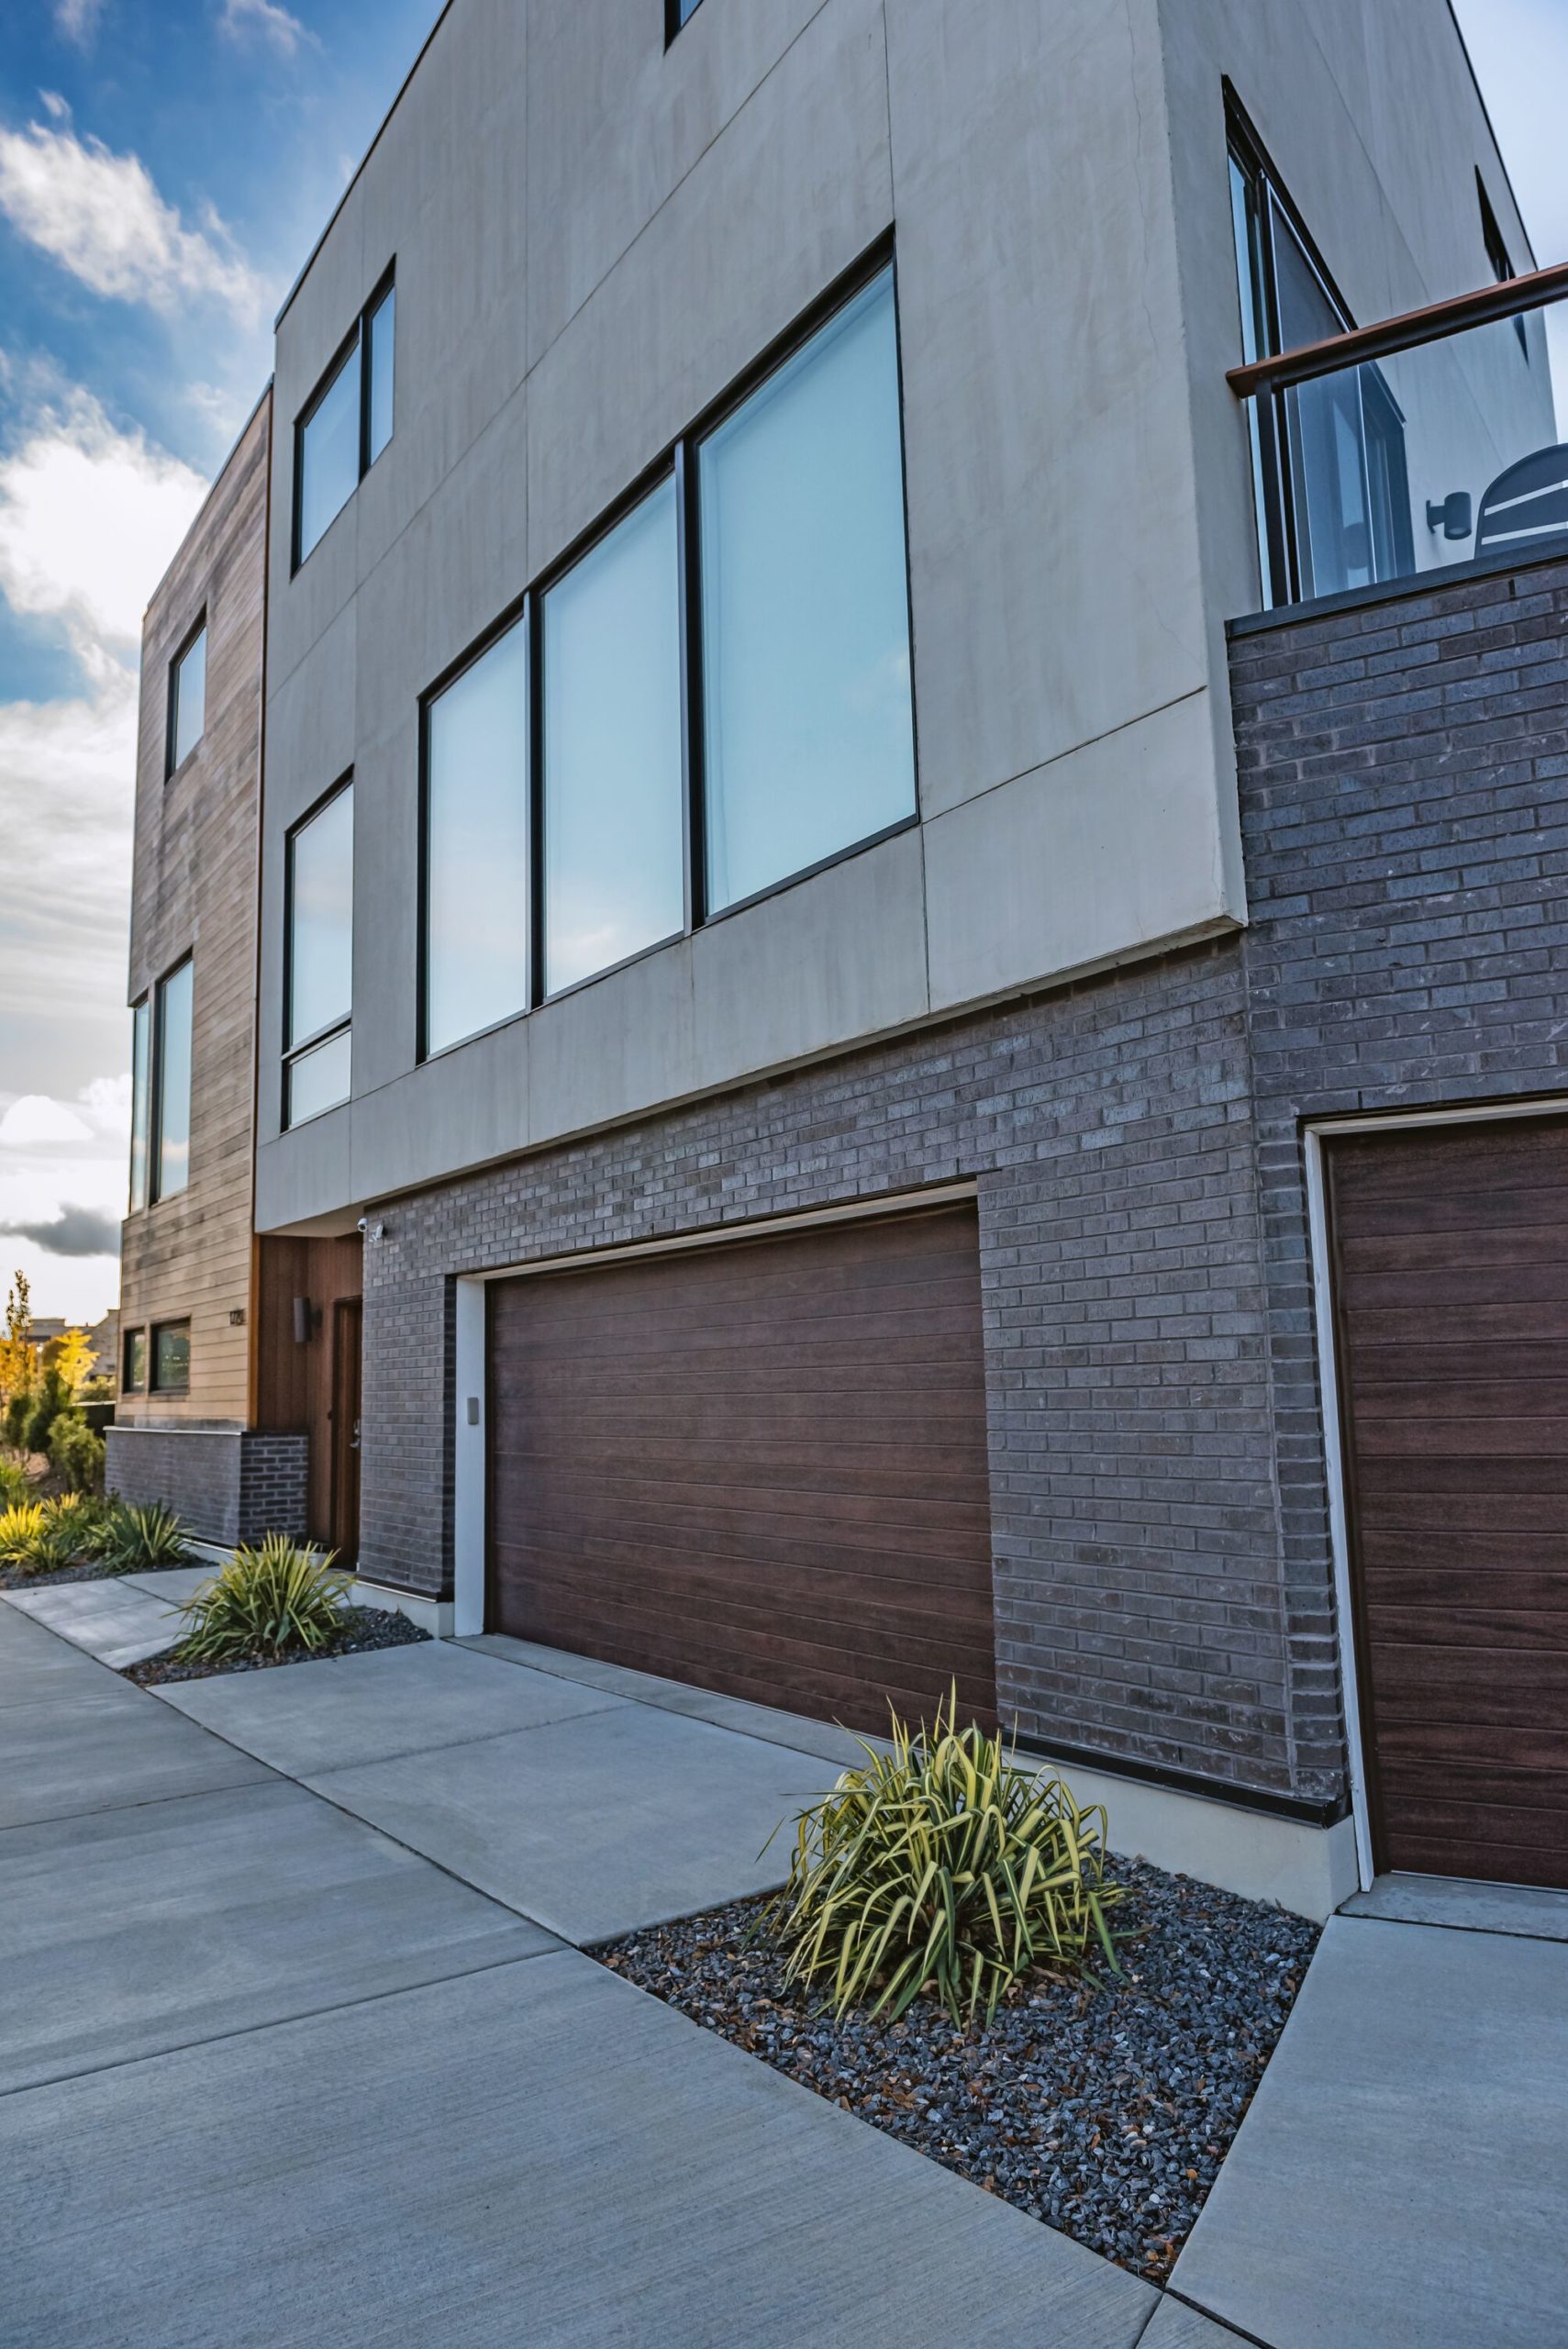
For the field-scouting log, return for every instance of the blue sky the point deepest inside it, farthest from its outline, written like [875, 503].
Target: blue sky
[166, 166]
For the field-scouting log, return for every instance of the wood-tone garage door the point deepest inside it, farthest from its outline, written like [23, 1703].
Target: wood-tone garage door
[1452, 1280]
[759, 1466]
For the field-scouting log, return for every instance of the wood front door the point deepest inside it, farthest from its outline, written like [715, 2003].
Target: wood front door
[1450, 1258]
[760, 1466]
[348, 1317]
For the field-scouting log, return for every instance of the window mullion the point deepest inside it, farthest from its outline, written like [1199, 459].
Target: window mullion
[533, 621]
[691, 732]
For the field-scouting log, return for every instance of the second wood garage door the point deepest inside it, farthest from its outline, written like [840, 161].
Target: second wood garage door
[759, 1466]
[1452, 1288]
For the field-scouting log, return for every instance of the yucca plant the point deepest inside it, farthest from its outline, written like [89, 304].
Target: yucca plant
[141, 1539]
[273, 1596]
[943, 1864]
[36, 1539]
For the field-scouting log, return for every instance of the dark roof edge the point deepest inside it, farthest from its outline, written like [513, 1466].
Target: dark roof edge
[310, 259]
[239, 440]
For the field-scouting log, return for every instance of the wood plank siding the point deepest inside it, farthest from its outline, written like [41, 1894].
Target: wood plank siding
[1451, 1291]
[194, 892]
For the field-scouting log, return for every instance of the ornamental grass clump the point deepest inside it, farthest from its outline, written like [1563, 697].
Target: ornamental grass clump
[139, 1539]
[943, 1866]
[269, 1598]
[36, 1539]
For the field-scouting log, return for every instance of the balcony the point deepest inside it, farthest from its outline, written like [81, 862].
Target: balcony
[1395, 452]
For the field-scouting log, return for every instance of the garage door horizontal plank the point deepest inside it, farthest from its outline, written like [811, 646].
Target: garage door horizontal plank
[1525, 1746]
[1488, 1862]
[1519, 1629]
[756, 1540]
[860, 1476]
[1512, 1246]
[1416, 1435]
[1450, 1779]
[1455, 1591]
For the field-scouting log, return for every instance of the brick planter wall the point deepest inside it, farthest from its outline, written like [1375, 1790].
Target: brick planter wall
[228, 1485]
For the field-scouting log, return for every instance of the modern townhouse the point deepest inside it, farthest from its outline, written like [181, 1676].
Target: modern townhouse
[911, 902]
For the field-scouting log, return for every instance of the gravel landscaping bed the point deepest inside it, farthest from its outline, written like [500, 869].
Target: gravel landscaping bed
[19, 1577]
[364, 1629]
[1104, 2106]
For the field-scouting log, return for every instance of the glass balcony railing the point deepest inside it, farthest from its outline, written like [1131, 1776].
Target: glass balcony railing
[1396, 450]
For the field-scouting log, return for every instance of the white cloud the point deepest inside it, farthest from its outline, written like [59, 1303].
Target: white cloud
[268, 22]
[100, 216]
[77, 20]
[34, 1118]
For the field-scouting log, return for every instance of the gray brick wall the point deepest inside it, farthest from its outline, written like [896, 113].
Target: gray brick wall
[228, 1485]
[1162, 1576]
[1405, 813]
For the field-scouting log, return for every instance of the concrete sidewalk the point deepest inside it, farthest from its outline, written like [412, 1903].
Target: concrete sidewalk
[270, 2075]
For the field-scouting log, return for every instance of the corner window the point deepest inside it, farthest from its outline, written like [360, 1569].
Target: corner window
[810, 741]
[171, 1355]
[172, 1084]
[319, 957]
[346, 424]
[133, 1367]
[676, 14]
[140, 1101]
[613, 854]
[476, 858]
[187, 699]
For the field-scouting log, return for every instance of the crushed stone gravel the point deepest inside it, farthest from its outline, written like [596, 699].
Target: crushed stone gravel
[364, 1630]
[94, 1570]
[1103, 2106]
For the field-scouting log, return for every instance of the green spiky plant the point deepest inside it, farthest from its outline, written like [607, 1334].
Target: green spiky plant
[275, 1596]
[141, 1539]
[36, 1539]
[943, 1866]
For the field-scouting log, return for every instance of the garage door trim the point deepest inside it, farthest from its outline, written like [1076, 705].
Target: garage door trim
[1316, 1134]
[470, 1485]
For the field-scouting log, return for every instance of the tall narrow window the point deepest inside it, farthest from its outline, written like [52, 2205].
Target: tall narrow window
[806, 612]
[329, 453]
[187, 699]
[140, 1101]
[320, 956]
[379, 337]
[133, 1377]
[172, 1090]
[476, 845]
[346, 423]
[614, 862]
[171, 1358]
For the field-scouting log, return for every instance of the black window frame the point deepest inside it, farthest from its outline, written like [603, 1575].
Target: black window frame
[129, 1341]
[187, 645]
[142, 1009]
[155, 1331]
[678, 13]
[295, 1050]
[356, 344]
[677, 461]
[155, 1194]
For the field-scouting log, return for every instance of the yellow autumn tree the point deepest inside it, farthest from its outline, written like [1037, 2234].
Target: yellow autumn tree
[72, 1355]
[16, 1354]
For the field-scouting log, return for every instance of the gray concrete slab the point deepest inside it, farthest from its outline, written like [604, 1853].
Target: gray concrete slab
[308, 1718]
[36, 1665]
[1401, 2174]
[173, 1584]
[1468, 1907]
[600, 1823]
[537, 2153]
[822, 1738]
[138, 1930]
[101, 1745]
[1176, 2326]
[110, 1620]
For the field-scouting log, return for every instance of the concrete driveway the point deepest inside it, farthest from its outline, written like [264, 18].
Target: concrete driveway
[297, 2047]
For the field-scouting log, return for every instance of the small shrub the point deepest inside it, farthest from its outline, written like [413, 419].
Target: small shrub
[140, 1540]
[50, 1400]
[267, 1599]
[943, 1864]
[18, 1411]
[14, 1485]
[34, 1538]
[76, 1455]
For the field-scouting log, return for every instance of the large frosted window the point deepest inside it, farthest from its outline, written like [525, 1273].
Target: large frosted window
[613, 777]
[187, 694]
[320, 957]
[805, 617]
[476, 846]
[171, 1160]
[330, 454]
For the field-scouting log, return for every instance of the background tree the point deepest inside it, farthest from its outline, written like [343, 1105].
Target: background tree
[17, 1363]
[72, 1355]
